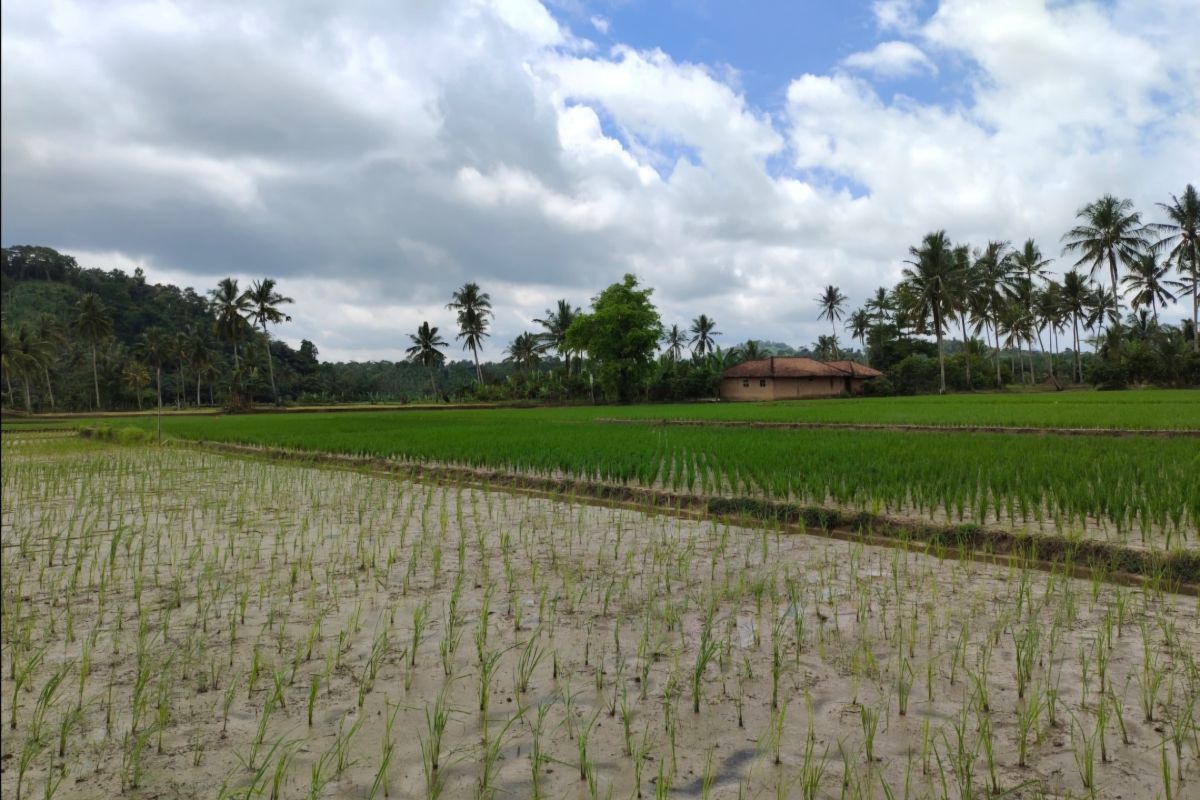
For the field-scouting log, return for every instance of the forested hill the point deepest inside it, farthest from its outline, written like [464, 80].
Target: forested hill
[162, 330]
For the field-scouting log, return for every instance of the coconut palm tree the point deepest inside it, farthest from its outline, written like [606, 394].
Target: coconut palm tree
[826, 348]
[424, 351]
[200, 357]
[675, 339]
[961, 307]
[1147, 282]
[880, 305]
[231, 308]
[264, 310]
[859, 325]
[1047, 315]
[752, 351]
[474, 306]
[525, 351]
[556, 323]
[832, 303]
[27, 354]
[934, 279]
[992, 285]
[155, 346]
[93, 325]
[703, 330]
[8, 356]
[136, 378]
[50, 336]
[1181, 239]
[1111, 232]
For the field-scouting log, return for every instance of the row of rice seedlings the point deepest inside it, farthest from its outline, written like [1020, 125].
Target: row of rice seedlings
[296, 606]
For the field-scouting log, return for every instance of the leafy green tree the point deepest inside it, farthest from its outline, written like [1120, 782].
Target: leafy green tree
[474, 306]
[832, 303]
[264, 304]
[859, 325]
[424, 351]
[556, 322]
[231, 306]
[703, 330]
[1111, 232]
[934, 278]
[620, 335]
[93, 325]
[1181, 239]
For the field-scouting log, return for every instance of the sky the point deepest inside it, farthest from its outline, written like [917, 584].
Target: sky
[373, 155]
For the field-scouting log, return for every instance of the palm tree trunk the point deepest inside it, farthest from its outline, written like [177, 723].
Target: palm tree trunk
[8, 380]
[270, 366]
[1112, 271]
[137, 390]
[95, 376]
[996, 353]
[49, 388]
[478, 371]
[28, 395]
[433, 383]
[236, 363]
[181, 393]
[158, 383]
[966, 350]
[937, 321]
[1079, 370]
[199, 375]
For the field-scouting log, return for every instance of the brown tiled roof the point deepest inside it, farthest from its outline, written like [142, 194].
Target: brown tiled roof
[798, 367]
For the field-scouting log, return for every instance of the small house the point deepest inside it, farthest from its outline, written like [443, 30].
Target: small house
[794, 377]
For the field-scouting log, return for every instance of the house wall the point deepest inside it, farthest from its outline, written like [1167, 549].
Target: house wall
[732, 389]
[786, 388]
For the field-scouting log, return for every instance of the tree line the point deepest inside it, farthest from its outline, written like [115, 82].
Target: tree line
[84, 338]
[1007, 294]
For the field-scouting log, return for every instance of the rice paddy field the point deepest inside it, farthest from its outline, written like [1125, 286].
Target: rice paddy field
[312, 616]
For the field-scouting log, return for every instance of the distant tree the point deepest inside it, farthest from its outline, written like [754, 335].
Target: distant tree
[826, 348]
[703, 330]
[93, 325]
[859, 325]
[474, 306]
[675, 339]
[136, 378]
[556, 322]
[934, 278]
[424, 351]
[1111, 232]
[1181, 239]
[990, 286]
[8, 356]
[620, 335]
[880, 305]
[231, 307]
[525, 352]
[264, 310]
[1147, 282]
[155, 346]
[831, 302]
[50, 336]
[752, 350]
